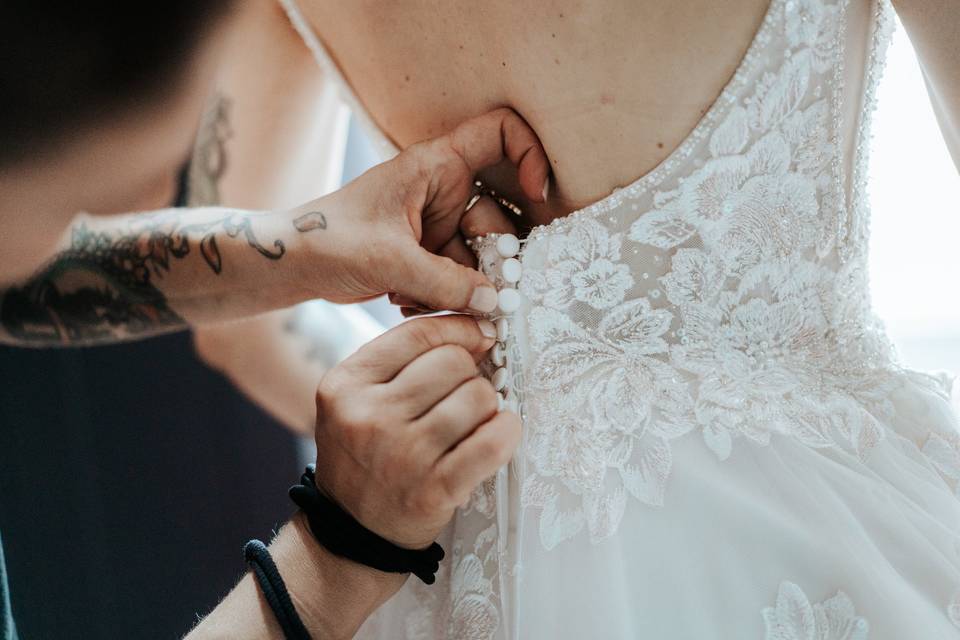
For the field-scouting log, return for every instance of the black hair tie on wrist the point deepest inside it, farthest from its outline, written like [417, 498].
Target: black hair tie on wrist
[342, 535]
[274, 590]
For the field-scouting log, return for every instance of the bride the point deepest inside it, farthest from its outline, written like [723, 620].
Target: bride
[718, 439]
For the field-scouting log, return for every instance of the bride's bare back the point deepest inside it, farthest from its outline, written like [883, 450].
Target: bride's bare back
[611, 87]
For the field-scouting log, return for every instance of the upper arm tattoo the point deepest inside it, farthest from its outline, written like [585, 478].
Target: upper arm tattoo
[209, 161]
[103, 287]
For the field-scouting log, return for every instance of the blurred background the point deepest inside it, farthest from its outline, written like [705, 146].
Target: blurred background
[915, 193]
[132, 475]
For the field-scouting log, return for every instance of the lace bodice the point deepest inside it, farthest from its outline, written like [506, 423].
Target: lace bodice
[723, 294]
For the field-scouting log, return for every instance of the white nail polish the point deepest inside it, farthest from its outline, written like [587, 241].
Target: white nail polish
[487, 328]
[484, 299]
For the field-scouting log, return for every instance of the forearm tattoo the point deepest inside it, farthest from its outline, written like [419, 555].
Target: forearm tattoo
[103, 287]
[310, 221]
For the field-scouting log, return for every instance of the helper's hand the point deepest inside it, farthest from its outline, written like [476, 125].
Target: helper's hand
[402, 232]
[406, 428]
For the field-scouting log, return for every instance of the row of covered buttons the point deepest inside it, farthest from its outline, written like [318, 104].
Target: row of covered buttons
[505, 272]
[508, 246]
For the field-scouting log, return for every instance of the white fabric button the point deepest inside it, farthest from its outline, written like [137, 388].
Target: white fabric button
[501, 403]
[511, 270]
[508, 300]
[497, 356]
[508, 245]
[499, 379]
[503, 329]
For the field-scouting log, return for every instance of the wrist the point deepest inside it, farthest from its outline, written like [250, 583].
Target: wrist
[305, 259]
[319, 248]
[333, 595]
[231, 264]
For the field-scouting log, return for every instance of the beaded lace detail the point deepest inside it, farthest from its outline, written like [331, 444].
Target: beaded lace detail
[712, 300]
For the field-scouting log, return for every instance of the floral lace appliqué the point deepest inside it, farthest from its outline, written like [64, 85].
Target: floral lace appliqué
[605, 404]
[462, 603]
[795, 618]
[585, 267]
[953, 609]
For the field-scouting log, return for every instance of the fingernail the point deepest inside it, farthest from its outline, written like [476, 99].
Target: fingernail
[546, 188]
[484, 299]
[487, 328]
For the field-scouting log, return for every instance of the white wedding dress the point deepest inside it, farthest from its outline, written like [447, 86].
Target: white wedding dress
[718, 440]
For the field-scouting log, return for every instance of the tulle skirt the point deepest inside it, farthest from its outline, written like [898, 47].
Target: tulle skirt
[779, 541]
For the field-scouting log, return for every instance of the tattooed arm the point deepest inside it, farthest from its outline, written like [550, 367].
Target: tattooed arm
[124, 277]
[119, 278]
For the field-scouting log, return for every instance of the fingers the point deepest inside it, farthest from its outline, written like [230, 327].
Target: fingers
[458, 251]
[413, 312]
[439, 282]
[430, 378]
[402, 301]
[484, 141]
[445, 168]
[477, 457]
[485, 217]
[383, 358]
[410, 307]
[458, 414]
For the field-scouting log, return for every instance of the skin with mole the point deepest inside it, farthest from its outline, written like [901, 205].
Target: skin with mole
[586, 76]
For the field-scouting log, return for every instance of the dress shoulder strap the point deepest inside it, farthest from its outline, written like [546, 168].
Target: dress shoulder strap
[384, 145]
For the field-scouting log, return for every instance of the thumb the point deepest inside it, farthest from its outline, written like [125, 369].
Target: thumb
[441, 283]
